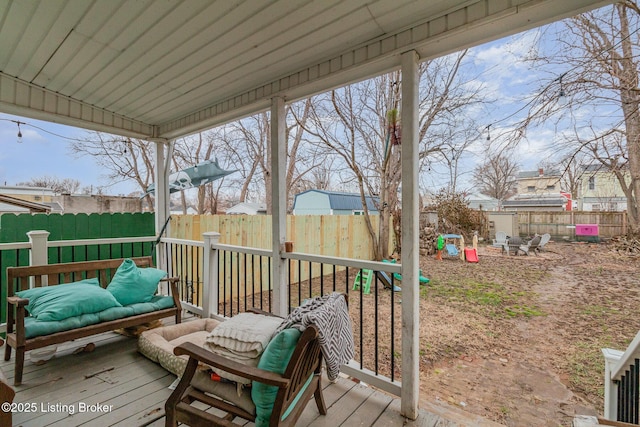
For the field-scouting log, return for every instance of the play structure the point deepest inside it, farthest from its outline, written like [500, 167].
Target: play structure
[450, 244]
[365, 277]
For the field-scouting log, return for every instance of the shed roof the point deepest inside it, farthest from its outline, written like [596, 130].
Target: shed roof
[344, 201]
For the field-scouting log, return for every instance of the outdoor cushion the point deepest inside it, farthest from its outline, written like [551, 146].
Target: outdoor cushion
[131, 285]
[275, 358]
[35, 327]
[59, 302]
[157, 344]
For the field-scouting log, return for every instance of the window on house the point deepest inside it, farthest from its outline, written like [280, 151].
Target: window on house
[531, 188]
[595, 207]
[551, 187]
[592, 183]
[37, 198]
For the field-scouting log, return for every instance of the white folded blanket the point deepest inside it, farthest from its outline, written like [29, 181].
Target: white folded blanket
[242, 338]
[245, 335]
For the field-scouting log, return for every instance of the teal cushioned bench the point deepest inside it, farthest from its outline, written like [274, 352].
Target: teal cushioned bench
[35, 328]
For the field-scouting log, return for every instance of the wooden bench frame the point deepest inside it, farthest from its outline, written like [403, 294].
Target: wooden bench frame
[19, 278]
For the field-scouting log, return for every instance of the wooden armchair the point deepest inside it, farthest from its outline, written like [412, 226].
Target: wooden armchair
[295, 386]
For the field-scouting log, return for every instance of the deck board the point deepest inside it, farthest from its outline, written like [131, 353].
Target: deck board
[137, 389]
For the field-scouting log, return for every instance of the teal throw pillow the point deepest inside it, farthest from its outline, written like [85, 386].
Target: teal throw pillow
[131, 285]
[275, 358]
[59, 302]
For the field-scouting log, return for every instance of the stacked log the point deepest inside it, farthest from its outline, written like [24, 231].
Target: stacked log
[428, 240]
[625, 245]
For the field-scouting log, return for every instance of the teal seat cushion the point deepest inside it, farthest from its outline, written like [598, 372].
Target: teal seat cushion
[35, 328]
[275, 358]
[131, 285]
[59, 302]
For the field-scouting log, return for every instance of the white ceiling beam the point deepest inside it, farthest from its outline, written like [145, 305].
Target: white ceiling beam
[28, 100]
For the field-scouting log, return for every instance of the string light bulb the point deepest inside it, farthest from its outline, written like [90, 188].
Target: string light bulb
[562, 96]
[489, 132]
[19, 140]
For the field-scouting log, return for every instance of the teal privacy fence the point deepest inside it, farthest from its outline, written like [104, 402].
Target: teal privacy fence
[63, 230]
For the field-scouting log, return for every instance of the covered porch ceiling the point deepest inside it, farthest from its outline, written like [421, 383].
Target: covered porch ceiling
[167, 68]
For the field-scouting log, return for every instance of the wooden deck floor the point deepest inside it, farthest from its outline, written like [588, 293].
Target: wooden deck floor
[131, 391]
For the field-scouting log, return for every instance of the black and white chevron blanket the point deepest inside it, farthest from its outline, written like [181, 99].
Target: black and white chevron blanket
[330, 315]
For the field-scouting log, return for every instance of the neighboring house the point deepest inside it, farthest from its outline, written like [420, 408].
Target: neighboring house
[600, 190]
[10, 204]
[30, 194]
[537, 182]
[71, 203]
[247, 208]
[322, 202]
[483, 202]
[538, 191]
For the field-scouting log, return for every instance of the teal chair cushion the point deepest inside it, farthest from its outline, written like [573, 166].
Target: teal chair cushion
[275, 358]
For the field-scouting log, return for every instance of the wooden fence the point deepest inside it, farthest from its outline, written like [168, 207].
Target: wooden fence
[560, 224]
[332, 235]
[343, 236]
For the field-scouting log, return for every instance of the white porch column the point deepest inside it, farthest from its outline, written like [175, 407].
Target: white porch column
[409, 395]
[161, 201]
[210, 282]
[161, 178]
[279, 206]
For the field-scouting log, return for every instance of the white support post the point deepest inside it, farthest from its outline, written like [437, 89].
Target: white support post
[410, 392]
[38, 254]
[161, 202]
[38, 240]
[279, 206]
[210, 284]
[611, 359]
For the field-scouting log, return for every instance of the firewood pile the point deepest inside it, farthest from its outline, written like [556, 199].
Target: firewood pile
[428, 240]
[625, 245]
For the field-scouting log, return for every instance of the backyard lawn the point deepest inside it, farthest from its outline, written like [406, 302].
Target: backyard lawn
[518, 339]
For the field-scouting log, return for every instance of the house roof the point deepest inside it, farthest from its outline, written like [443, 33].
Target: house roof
[344, 201]
[536, 174]
[164, 69]
[540, 202]
[19, 203]
[247, 208]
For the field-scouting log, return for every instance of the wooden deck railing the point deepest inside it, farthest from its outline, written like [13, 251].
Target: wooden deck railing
[622, 383]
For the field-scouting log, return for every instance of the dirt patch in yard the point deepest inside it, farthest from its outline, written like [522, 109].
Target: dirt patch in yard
[517, 339]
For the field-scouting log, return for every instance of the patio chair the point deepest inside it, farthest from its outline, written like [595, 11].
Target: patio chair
[287, 375]
[285, 395]
[544, 239]
[513, 245]
[500, 241]
[532, 245]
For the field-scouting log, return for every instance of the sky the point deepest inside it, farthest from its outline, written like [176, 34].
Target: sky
[45, 151]
[497, 68]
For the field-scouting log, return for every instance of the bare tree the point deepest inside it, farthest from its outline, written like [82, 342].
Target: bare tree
[496, 175]
[248, 141]
[603, 83]
[362, 124]
[121, 159]
[58, 185]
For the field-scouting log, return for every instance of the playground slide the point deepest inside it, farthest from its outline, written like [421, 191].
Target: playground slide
[471, 254]
[386, 281]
